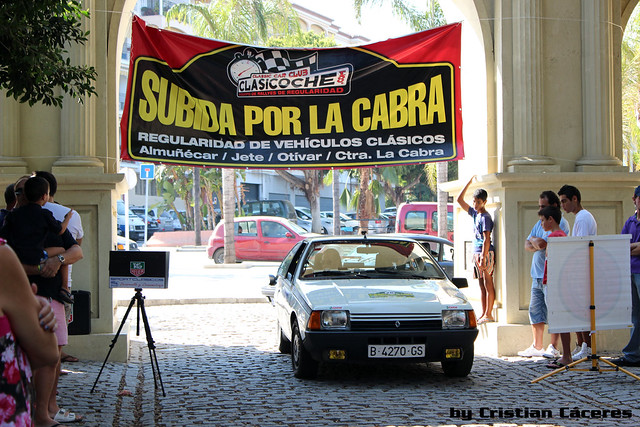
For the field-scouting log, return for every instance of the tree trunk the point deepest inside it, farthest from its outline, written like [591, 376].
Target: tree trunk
[443, 198]
[197, 221]
[335, 186]
[228, 209]
[363, 201]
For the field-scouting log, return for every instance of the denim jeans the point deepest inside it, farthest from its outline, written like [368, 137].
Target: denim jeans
[632, 350]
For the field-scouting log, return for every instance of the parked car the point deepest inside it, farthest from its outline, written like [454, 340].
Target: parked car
[375, 225]
[166, 221]
[376, 299]
[422, 218]
[177, 225]
[441, 249]
[257, 238]
[391, 210]
[136, 225]
[151, 218]
[281, 208]
[304, 221]
[347, 225]
[123, 245]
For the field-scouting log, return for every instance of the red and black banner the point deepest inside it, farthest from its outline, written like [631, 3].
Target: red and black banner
[196, 101]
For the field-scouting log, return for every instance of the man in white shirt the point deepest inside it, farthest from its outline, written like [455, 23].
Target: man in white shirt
[585, 225]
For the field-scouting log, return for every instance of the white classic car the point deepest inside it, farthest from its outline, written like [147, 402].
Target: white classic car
[358, 298]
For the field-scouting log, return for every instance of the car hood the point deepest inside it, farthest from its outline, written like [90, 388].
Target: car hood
[396, 295]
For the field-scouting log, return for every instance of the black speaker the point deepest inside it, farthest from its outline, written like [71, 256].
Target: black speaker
[80, 322]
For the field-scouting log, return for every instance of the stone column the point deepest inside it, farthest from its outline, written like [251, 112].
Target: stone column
[77, 130]
[10, 160]
[528, 104]
[598, 106]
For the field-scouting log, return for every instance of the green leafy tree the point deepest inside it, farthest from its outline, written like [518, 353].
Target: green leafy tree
[242, 21]
[398, 181]
[302, 39]
[34, 62]
[418, 20]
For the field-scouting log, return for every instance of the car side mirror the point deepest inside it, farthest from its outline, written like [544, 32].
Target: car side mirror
[272, 280]
[289, 235]
[460, 282]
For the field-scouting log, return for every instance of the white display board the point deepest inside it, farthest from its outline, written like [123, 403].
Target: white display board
[568, 283]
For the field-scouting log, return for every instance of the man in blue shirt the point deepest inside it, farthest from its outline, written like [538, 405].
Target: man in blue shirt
[632, 226]
[483, 250]
[537, 243]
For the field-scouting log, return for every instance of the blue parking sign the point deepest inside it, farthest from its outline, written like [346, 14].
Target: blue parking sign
[147, 171]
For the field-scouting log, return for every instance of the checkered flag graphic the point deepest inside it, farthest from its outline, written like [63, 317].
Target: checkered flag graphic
[275, 61]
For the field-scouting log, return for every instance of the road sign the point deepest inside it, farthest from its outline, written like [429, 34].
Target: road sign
[147, 171]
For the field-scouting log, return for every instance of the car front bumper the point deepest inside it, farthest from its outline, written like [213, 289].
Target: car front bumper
[355, 343]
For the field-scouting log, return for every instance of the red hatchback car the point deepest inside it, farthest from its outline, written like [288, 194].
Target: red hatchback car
[257, 238]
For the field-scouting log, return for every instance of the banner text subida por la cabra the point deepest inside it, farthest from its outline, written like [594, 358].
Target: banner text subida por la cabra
[206, 102]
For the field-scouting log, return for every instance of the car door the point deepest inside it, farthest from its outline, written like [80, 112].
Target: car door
[284, 299]
[247, 241]
[276, 240]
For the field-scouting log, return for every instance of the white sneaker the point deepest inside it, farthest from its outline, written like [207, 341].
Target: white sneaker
[577, 350]
[584, 352]
[551, 353]
[531, 352]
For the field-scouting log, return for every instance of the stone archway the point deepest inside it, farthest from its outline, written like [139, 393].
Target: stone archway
[542, 111]
[553, 118]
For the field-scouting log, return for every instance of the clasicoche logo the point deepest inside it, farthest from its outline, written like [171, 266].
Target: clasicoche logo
[136, 268]
[274, 73]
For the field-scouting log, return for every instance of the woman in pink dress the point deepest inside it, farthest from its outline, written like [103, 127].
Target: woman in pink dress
[26, 341]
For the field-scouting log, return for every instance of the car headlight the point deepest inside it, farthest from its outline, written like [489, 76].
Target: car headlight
[457, 319]
[328, 319]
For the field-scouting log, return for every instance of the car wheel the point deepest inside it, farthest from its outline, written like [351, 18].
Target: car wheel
[459, 368]
[304, 366]
[218, 256]
[356, 230]
[324, 231]
[284, 345]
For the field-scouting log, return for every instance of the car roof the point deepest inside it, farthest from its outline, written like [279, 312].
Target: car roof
[372, 238]
[261, 217]
[419, 237]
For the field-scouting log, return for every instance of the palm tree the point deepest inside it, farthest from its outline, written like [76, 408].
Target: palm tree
[240, 21]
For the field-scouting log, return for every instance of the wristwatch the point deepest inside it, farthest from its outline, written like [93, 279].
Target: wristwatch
[61, 259]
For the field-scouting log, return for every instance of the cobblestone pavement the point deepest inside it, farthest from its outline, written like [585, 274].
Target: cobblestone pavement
[220, 367]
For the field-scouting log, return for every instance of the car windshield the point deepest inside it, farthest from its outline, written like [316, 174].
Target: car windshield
[363, 259]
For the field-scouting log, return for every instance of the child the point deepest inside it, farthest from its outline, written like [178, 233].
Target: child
[484, 252]
[550, 216]
[26, 227]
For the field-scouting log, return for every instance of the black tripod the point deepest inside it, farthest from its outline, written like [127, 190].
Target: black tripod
[150, 343]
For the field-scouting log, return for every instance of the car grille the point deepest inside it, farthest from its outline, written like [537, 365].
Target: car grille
[138, 227]
[395, 322]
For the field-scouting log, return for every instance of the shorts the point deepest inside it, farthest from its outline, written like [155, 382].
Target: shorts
[538, 304]
[61, 331]
[487, 266]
